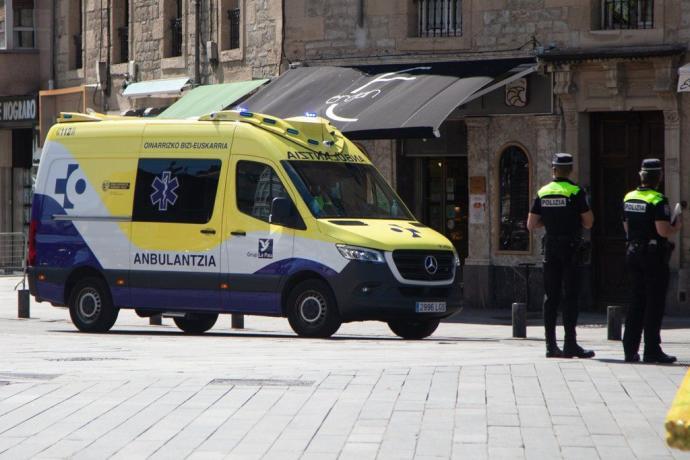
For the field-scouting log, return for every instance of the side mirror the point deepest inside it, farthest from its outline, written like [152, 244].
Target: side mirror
[282, 212]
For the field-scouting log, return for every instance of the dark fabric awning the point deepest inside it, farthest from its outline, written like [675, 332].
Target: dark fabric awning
[386, 101]
[617, 52]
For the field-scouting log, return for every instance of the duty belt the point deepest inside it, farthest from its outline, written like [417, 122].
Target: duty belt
[644, 243]
[562, 238]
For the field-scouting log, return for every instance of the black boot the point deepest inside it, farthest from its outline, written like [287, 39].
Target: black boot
[552, 351]
[573, 350]
[658, 357]
[632, 357]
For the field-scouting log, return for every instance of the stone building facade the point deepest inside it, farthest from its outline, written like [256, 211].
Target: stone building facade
[142, 40]
[24, 70]
[613, 68]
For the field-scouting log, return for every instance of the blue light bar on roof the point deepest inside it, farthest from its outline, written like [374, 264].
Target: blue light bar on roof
[310, 114]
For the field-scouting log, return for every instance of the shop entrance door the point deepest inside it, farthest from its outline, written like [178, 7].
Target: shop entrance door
[444, 198]
[620, 140]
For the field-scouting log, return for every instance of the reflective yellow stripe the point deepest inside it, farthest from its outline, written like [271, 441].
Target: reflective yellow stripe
[558, 188]
[648, 196]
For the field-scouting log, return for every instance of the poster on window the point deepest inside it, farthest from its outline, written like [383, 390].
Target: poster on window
[478, 208]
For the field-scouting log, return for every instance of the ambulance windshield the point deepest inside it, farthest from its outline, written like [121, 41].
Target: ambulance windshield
[350, 190]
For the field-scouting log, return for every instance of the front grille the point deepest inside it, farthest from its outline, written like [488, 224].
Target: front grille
[411, 264]
[425, 292]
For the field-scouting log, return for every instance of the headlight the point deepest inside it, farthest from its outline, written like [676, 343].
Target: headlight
[456, 259]
[361, 254]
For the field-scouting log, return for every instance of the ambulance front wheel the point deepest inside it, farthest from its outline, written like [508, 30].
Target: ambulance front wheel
[196, 323]
[413, 329]
[91, 307]
[312, 311]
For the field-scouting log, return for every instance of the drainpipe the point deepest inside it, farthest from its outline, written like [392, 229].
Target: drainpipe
[360, 14]
[197, 42]
[52, 83]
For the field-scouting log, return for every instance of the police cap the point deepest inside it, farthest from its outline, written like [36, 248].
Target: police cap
[651, 164]
[562, 159]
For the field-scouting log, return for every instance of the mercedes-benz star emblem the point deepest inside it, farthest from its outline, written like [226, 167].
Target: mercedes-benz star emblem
[431, 265]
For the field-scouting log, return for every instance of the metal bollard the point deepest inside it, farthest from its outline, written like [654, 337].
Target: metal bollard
[519, 320]
[155, 320]
[23, 304]
[237, 321]
[614, 321]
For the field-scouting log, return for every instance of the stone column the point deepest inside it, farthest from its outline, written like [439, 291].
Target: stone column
[477, 271]
[547, 144]
[672, 171]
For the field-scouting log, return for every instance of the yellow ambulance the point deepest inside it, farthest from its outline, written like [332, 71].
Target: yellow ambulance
[233, 212]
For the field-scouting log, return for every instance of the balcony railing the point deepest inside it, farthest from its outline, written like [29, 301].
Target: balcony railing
[234, 28]
[439, 18]
[176, 37]
[77, 51]
[123, 33]
[627, 14]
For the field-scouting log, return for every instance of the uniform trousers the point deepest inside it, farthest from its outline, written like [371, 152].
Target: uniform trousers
[649, 275]
[561, 282]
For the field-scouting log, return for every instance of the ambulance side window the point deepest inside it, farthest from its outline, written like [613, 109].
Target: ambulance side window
[175, 190]
[257, 185]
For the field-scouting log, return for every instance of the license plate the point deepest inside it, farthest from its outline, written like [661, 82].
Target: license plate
[430, 307]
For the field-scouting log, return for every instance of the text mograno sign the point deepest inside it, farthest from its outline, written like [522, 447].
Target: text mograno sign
[18, 108]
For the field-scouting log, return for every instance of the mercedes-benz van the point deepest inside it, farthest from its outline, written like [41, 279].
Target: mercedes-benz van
[233, 212]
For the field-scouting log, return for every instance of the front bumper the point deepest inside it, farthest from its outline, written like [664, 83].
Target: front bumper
[385, 298]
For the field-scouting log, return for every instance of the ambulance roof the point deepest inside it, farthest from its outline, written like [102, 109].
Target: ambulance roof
[314, 138]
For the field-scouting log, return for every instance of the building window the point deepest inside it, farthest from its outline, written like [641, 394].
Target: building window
[439, 18]
[23, 23]
[3, 22]
[175, 190]
[230, 24]
[257, 185]
[173, 23]
[627, 14]
[513, 200]
[75, 27]
[17, 26]
[120, 29]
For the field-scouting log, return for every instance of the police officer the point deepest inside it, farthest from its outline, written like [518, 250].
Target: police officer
[647, 225]
[561, 207]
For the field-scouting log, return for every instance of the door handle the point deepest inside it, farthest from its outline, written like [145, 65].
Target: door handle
[239, 233]
[208, 231]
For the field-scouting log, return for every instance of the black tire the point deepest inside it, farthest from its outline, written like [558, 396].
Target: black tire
[413, 329]
[91, 306]
[196, 323]
[312, 310]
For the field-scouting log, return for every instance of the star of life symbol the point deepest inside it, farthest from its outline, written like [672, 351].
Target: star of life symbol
[164, 191]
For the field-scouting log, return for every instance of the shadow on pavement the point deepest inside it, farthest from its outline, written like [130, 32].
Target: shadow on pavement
[442, 340]
[503, 317]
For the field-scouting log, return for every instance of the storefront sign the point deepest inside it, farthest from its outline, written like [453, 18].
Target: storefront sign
[684, 79]
[477, 185]
[18, 108]
[478, 209]
[516, 93]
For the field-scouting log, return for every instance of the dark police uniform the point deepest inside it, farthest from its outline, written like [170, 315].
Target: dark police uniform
[560, 204]
[647, 255]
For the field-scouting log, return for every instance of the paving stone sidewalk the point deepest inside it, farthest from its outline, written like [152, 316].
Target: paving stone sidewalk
[470, 391]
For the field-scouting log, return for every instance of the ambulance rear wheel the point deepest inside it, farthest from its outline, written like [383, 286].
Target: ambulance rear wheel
[312, 311]
[413, 329]
[91, 307]
[196, 323]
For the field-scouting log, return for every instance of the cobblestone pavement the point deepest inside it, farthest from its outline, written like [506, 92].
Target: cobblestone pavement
[468, 392]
